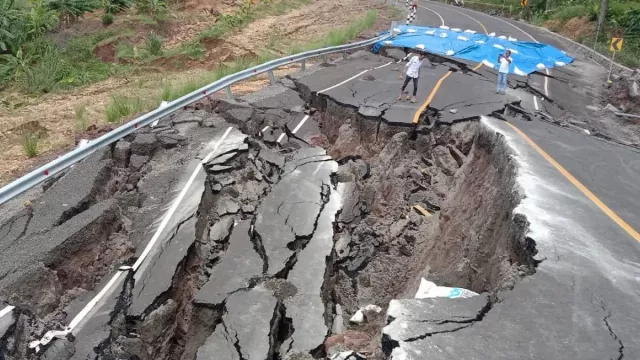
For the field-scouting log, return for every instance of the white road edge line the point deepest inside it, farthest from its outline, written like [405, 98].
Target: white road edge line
[304, 119]
[176, 203]
[546, 79]
[353, 77]
[6, 310]
[435, 12]
[87, 309]
[265, 129]
[344, 82]
[535, 102]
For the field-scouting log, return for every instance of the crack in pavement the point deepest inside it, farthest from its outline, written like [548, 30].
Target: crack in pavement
[611, 332]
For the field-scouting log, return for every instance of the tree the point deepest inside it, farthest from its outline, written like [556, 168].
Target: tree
[9, 24]
[152, 8]
[39, 20]
[602, 17]
[71, 10]
[15, 65]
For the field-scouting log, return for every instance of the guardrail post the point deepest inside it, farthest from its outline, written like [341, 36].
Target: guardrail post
[272, 78]
[344, 55]
[229, 94]
[325, 59]
[303, 65]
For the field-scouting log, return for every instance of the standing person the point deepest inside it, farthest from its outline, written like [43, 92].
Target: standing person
[412, 73]
[503, 72]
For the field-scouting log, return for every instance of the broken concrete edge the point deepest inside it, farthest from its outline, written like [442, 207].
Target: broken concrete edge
[392, 342]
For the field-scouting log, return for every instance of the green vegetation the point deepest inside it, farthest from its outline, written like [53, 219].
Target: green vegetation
[154, 44]
[35, 64]
[107, 19]
[123, 107]
[247, 13]
[82, 119]
[30, 144]
[622, 20]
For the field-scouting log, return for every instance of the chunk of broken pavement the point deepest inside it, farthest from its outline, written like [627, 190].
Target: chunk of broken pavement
[358, 317]
[457, 154]
[227, 207]
[415, 318]
[634, 92]
[444, 160]
[144, 144]
[189, 116]
[611, 108]
[121, 153]
[137, 162]
[271, 157]
[221, 229]
[168, 141]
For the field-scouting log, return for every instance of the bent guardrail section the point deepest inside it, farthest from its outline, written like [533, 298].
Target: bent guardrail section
[54, 167]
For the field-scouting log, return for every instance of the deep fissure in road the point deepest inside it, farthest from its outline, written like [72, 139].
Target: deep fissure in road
[280, 246]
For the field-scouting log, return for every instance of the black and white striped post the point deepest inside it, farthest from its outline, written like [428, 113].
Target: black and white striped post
[411, 15]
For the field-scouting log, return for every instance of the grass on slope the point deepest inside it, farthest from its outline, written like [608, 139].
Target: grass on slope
[122, 107]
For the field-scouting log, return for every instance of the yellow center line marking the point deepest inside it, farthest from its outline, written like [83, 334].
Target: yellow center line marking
[422, 210]
[623, 224]
[416, 116]
[474, 19]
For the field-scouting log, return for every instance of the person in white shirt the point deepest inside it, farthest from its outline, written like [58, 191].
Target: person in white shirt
[412, 73]
[503, 72]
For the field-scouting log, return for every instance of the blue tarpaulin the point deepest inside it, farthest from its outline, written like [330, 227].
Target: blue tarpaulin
[528, 57]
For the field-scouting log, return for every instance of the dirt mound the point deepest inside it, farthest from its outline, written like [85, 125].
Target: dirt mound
[106, 52]
[553, 25]
[577, 28]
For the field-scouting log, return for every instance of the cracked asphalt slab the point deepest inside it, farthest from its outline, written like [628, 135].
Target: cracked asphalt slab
[564, 310]
[276, 240]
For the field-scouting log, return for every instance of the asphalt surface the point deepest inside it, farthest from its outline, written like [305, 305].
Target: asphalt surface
[580, 304]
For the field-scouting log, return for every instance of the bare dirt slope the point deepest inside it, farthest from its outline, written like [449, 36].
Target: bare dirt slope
[53, 114]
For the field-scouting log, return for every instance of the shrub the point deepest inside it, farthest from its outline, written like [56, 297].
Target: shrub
[107, 19]
[45, 75]
[71, 10]
[154, 8]
[570, 12]
[40, 19]
[121, 107]
[82, 119]
[154, 44]
[30, 144]
[115, 6]
[10, 24]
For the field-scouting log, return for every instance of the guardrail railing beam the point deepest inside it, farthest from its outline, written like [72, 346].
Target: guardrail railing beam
[47, 171]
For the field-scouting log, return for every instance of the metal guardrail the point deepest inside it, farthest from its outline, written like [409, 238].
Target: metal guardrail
[54, 167]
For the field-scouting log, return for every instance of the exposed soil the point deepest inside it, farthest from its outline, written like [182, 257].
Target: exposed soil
[55, 112]
[382, 246]
[576, 29]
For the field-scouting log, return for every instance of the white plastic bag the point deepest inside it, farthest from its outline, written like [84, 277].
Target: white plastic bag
[429, 289]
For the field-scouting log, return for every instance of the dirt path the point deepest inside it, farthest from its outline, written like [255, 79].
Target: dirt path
[53, 114]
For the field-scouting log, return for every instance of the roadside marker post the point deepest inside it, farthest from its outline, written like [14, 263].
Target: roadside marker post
[614, 47]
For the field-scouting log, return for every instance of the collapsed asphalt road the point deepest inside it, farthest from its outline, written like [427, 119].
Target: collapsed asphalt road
[307, 201]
